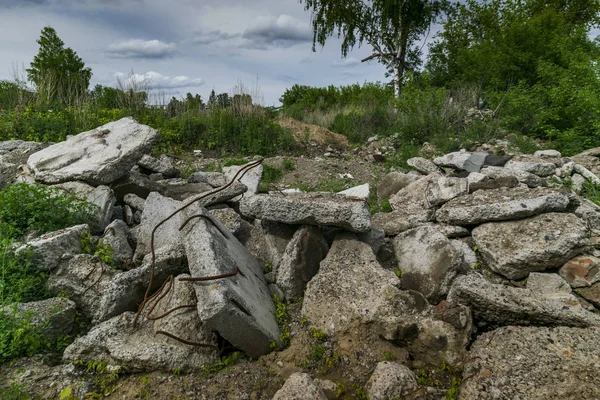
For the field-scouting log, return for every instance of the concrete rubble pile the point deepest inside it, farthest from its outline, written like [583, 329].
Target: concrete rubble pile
[490, 252]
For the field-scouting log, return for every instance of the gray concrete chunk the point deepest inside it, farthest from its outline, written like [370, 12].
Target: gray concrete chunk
[501, 204]
[48, 249]
[517, 362]
[428, 260]
[239, 307]
[98, 157]
[516, 248]
[309, 209]
[300, 261]
[496, 305]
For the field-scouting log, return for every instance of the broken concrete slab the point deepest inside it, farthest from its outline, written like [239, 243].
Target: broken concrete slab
[239, 307]
[214, 179]
[548, 153]
[82, 279]
[102, 197]
[309, 209]
[498, 173]
[454, 160]
[550, 285]
[240, 228]
[180, 189]
[251, 179]
[350, 286]
[98, 157]
[534, 165]
[125, 291]
[441, 190]
[398, 221]
[429, 262]
[516, 248]
[115, 236]
[393, 182]
[586, 173]
[496, 305]
[422, 165]
[162, 165]
[134, 201]
[156, 209]
[300, 262]
[501, 205]
[115, 343]
[517, 362]
[360, 192]
[390, 380]
[300, 386]
[47, 250]
[414, 197]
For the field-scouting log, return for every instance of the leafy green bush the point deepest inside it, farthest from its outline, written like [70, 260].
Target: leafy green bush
[20, 281]
[14, 392]
[28, 207]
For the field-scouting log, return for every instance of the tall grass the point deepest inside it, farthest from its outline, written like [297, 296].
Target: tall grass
[243, 127]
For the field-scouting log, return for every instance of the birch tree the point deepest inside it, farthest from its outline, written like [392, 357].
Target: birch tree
[391, 27]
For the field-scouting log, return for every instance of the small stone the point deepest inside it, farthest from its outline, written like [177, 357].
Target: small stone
[390, 380]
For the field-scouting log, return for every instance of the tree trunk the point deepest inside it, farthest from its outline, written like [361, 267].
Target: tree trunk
[400, 61]
[397, 78]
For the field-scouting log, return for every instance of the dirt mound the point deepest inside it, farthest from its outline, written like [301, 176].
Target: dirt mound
[306, 132]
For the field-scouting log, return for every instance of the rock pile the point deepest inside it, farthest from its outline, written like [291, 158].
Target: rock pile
[496, 267]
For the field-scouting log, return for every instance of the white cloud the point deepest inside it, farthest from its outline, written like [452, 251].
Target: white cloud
[282, 31]
[157, 80]
[137, 48]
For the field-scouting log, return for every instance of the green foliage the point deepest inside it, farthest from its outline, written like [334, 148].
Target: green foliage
[287, 164]
[19, 336]
[59, 74]
[318, 335]
[283, 318]
[454, 390]
[533, 61]
[14, 392]
[398, 273]
[98, 248]
[375, 205]
[298, 100]
[28, 207]
[392, 27]
[389, 357]
[225, 363]
[360, 393]
[270, 175]
[317, 352]
[591, 191]
[235, 161]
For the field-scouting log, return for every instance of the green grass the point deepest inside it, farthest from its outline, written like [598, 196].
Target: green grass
[591, 191]
[270, 175]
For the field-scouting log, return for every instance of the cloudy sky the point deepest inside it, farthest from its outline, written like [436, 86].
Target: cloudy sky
[185, 46]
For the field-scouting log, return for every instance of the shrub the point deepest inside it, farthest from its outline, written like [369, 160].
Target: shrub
[28, 207]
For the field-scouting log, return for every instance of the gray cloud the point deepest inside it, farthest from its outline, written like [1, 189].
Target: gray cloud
[156, 80]
[137, 48]
[29, 3]
[287, 78]
[282, 31]
[214, 36]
